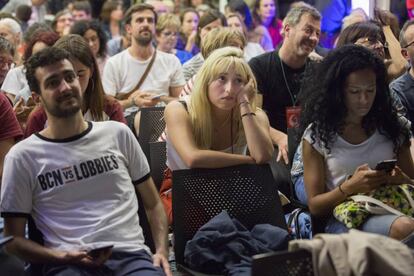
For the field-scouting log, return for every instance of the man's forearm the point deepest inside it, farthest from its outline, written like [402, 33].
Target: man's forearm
[159, 227]
[276, 135]
[167, 99]
[126, 103]
[33, 252]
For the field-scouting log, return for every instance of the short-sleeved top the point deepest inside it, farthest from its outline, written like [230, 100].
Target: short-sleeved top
[15, 83]
[37, 120]
[344, 157]
[191, 67]
[78, 190]
[123, 71]
[10, 128]
[252, 50]
[272, 85]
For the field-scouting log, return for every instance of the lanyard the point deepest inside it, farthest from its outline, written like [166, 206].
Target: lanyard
[292, 96]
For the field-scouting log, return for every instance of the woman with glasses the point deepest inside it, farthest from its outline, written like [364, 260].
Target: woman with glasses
[370, 35]
[166, 35]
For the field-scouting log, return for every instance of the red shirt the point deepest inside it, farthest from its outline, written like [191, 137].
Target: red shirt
[275, 33]
[9, 126]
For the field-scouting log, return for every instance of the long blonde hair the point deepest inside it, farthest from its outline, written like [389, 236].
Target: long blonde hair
[200, 109]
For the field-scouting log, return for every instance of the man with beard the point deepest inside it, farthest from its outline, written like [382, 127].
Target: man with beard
[279, 73]
[133, 77]
[78, 180]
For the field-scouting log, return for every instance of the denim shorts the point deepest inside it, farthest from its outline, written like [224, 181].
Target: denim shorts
[378, 224]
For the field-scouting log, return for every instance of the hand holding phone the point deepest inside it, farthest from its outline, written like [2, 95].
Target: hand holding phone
[386, 165]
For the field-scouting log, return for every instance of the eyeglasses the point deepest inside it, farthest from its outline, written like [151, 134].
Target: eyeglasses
[371, 42]
[168, 34]
[5, 61]
[409, 44]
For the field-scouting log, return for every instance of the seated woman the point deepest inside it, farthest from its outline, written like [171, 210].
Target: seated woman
[92, 32]
[166, 34]
[189, 19]
[264, 15]
[349, 126]
[220, 121]
[370, 35]
[251, 49]
[96, 105]
[209, 21]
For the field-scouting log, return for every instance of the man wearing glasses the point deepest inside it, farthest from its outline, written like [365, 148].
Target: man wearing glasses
[404, 85]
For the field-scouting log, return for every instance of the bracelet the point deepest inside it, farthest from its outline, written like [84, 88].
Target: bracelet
[244, 102]
[248, 114]
[342, 191]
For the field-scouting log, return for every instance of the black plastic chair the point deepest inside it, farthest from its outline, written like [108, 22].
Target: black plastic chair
[247, 192]
[293, 143]
[158, 158]
[296, 263]
[151, 126]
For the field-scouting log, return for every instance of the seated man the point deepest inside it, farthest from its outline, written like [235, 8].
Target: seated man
[77, 185]
[10, 132]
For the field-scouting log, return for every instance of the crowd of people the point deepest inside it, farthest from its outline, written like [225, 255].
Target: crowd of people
[75, 75]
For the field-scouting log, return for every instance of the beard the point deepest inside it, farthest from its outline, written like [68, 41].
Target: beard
[143, 40]
[61, 109]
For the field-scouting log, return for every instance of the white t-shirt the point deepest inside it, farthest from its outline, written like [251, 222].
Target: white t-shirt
[15, 83]
[122, 73]
[345, 157]
[252, 50]
[78, 190]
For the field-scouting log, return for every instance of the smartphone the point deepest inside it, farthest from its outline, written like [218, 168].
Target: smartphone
[386, 165]
[156, 97]
[95, 252]
[5, 240]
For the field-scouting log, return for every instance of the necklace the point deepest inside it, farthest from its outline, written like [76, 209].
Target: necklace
[292, 96]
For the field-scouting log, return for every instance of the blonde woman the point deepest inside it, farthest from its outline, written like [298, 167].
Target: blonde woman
[215, 127]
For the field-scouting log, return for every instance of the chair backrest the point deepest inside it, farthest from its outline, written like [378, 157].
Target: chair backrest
[247, 192]
[296, 263]
[151, 126]
[293, 143]
[158, 158]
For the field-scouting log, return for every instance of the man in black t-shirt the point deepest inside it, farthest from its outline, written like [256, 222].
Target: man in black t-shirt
[279, 73]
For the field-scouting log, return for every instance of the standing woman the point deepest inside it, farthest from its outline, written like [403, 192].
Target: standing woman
[189, 23]
[93, 33]
[264, 14]
[96, 105]
[350, 126]
[220, 121]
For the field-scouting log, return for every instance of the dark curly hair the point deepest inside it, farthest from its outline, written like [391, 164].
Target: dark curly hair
[45, 57]
[82, 26]
[47, 37]
[323, 102]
